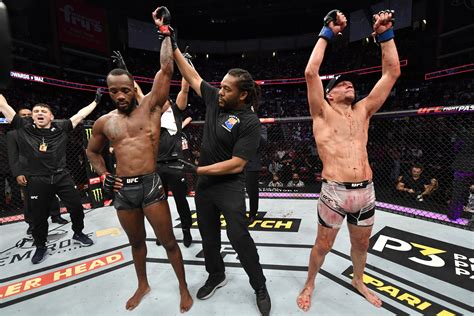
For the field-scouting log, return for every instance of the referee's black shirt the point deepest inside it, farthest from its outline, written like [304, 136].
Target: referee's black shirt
[227, 133]
[30, 138]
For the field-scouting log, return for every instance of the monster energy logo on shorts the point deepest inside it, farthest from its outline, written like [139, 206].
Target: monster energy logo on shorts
[97, 193]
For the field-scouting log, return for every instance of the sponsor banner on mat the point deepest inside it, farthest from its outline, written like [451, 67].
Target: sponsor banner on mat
[451, 263]
[403, 296]
[273, 224]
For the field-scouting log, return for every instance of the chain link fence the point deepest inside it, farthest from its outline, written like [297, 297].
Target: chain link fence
[438, 141]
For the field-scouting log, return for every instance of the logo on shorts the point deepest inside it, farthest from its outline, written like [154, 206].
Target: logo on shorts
[34, 197]
[230, 122]
[132, 180]
[97, 194]
[357, 185]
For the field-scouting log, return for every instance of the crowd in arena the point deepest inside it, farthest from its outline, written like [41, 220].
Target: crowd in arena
[296, 157]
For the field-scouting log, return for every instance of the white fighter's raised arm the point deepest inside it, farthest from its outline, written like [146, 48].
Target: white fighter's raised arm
[334, 23]
[383, 29]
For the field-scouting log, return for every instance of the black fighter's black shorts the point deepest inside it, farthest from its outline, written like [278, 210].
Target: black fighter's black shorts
[139, 192]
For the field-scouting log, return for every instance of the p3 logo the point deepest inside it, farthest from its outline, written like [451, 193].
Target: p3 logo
[427, 256]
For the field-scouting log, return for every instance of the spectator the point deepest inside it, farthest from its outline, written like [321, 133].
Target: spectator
[417, 186]
[275, 166]
[295, 181]
[275, 183]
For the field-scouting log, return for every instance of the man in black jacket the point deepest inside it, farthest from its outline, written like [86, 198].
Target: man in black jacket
[42, 143]
[18, 173]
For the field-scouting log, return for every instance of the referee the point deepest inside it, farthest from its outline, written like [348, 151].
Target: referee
[169, 151]
[231, 137]
[42, 143]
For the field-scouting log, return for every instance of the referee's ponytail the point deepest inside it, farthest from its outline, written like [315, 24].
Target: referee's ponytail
[246, 83]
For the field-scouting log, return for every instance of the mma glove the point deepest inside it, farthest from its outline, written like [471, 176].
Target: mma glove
[326, 31]
[98, 95]
[388, 34]
[117, 59]
[165, 29]
[108, 181]
[188, 56]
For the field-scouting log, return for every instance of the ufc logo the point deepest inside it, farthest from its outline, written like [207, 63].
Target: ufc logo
[428, 254]
[132, 180]
[34, 197]
[355, 185]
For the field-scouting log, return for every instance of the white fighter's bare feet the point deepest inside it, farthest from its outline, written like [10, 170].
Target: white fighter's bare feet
[137, 297]
[186, 301]
[304, 299]
[368, 294]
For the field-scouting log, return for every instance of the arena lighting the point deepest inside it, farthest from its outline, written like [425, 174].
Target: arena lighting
[424, 21]
[93, 88]
[449, 71]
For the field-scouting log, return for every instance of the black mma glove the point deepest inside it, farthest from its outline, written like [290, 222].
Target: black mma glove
[165, 29]
[98, 95]
[188, 56]
[117, 59]
[184, 166]
[388, 34]
[111, 183]
[326, 31]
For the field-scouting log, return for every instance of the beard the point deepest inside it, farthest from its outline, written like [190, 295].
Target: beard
[230, 104]
[129, 108]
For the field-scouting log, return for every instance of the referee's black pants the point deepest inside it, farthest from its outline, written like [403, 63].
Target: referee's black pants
[211, 201]
[41, 191]
[176, 182]
[251, 186]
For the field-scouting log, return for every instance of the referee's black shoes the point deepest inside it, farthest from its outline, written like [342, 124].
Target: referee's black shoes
[187, 238]
[264, 303]
[211, 285]
[40, 255]
[82, 239]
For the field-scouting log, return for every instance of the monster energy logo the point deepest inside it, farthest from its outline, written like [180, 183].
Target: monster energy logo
[97, 193]
[88, 133]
